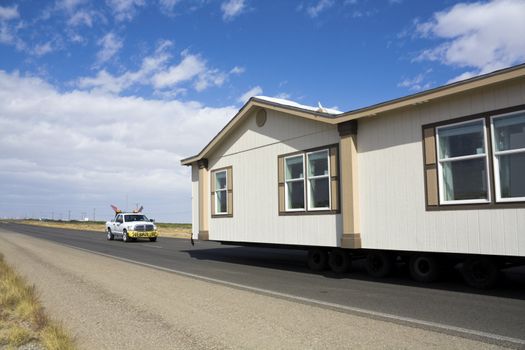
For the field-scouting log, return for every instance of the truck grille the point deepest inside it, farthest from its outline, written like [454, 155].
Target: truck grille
[144, 228]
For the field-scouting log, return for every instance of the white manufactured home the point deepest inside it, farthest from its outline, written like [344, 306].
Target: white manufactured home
[437, 174]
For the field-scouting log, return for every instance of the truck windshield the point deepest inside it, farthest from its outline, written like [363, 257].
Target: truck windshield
[130, 218]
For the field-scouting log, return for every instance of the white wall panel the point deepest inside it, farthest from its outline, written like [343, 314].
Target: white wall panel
[391, 183]
[195, 200]
[252, 152]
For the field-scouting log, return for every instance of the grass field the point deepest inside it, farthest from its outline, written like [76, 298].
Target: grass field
[165, 229]
[23, 323]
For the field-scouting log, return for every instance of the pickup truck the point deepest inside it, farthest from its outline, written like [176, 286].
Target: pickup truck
[130, 226]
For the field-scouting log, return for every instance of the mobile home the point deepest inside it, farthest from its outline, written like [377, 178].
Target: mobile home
[431, 177]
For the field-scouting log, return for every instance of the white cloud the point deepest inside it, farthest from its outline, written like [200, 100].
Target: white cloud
[125, 9]
[8, 13]
[254, 91]
[232, 8]
[81, 17]
[237, 70]
[110, 44]
[81, 150]
[105, 82]
[168, 5]
[69, 5]
[8, 31]
[417, 83]
[43, 49]
[187, 69]
[322, 5]
[482, 36]
[156, 72]
[282, 96]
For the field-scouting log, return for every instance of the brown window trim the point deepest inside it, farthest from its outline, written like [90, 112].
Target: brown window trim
[492, 185]
[212, 173]
[314, 212]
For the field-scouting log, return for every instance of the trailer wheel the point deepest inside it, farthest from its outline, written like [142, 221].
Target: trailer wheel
[480, 272]
[339, 261]
[424, 268]
[317, 259]
[379, 264]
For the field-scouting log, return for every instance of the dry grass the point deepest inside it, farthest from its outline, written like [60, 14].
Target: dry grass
[22, 317]
[165, 229]
[54, 337]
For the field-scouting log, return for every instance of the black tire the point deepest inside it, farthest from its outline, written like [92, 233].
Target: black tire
[110, 236]
[424, 268]
[317, 259]
[379, 264]
[480, 272]
[153, 239]
[339, 261]
[125, 237]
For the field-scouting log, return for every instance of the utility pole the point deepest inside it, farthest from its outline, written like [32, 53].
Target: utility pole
[69, 215]
[126, 202]
[52, 215]
[94, 211]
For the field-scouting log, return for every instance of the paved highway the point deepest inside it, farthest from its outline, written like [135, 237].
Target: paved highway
[448, 306]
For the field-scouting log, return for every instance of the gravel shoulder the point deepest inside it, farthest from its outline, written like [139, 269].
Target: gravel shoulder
[111, 304]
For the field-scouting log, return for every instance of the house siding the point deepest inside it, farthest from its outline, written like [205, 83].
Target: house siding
[195, 200]
[392, 188]
[252, 153]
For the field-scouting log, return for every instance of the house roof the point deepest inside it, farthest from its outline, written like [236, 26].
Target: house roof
[331, 116]
[280, 105]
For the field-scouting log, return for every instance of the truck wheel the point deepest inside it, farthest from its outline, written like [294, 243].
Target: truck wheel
[125, 237]
[424, 268]
[110, 235]
[379, 264]
[317, 259]
[153, 239]
[480, 272]
[339, 261]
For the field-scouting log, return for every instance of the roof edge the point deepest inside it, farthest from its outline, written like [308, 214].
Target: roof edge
[452, 87]
[257, 102]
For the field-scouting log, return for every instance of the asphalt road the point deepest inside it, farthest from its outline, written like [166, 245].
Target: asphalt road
[500, 312]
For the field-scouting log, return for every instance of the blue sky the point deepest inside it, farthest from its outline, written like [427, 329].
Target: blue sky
[83, 81]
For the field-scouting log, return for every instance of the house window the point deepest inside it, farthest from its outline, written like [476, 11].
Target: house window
[508, 134]
[480, 161]
[294, 182]
[308, 182]
[463, 163]
[221, 193]
[318, 180]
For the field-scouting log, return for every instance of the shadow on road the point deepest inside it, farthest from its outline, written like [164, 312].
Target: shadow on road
[511, 285]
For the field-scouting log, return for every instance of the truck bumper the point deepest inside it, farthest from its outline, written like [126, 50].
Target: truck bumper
[138, 234]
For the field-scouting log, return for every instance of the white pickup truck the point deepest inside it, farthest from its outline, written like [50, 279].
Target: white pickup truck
[130, 226]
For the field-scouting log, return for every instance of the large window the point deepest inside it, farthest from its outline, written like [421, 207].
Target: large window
[508, 133]
[307, 181]
[462, 151]
[478, 161]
